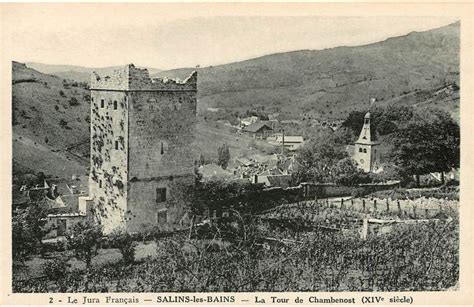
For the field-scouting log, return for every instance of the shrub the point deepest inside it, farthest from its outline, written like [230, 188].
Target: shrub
[73, 101]
[61, 93]
[62, 123]
[55, 269]
[124, 242]
[84, 240]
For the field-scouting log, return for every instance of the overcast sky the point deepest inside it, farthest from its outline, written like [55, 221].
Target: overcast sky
[165, 37]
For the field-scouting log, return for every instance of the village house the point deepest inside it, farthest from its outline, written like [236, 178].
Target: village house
[210, 171]
[247, 121]
[258, 130]
[290, 142]
[62, 201]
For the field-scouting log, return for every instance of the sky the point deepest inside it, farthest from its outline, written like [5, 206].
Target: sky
[173, 36]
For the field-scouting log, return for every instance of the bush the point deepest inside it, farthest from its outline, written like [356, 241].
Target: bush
[84, 240]
[63, 124]
[124, 242]
[73, 101]
[55, 269]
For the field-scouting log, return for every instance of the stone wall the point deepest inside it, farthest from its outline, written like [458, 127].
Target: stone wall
[161, 136]
[152, 121]
[143, 207]
[133, 78]
[108, 169]
[118, 80]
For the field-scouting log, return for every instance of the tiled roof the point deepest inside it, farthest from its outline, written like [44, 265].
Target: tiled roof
[255, 127]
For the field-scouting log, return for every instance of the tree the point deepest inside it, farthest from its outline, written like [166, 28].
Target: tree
[223, 156]
[28, 229]
[345, 172]
[124, 242]
[22, 244]
[319, 156]
[84, 239]
[383, 120]
[427, 143]
[201, 160]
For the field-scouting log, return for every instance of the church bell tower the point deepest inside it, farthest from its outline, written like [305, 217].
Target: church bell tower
[366, 152]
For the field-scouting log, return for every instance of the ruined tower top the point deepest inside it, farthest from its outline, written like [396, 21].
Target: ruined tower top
[131, 78]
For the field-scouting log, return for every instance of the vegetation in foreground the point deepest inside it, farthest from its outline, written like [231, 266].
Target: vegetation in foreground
[248, 254]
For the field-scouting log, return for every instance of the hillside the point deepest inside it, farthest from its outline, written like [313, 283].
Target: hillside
[329, 83]
[52, 136]
[77, 73]
[48, 115]
[51, 114]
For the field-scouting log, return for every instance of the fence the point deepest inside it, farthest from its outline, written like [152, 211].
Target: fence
[419, 208]
[376, 216]
[324, 190]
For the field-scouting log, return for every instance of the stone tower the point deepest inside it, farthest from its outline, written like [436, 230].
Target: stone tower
[366, 154]
[142, 132]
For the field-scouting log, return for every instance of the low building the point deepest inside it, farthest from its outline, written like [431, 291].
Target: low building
[213, 170]
[247, 121]
[272, 181]
[61, 220]
[260, 130]
[291, 142]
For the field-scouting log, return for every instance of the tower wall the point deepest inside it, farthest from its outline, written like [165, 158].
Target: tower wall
[108, 169]
[142, 135]
[365, 150]
[161, 137]
[363, 156]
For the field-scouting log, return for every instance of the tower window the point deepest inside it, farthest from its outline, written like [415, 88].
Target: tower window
[365, 150]
[162, 216]
[100, 184]
[102, 103]
[162, 149]
[115, 105]
[116, 145]
[92, 99]
[360, 149]
[160, 195]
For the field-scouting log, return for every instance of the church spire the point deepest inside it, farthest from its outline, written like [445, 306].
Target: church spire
[365, 136]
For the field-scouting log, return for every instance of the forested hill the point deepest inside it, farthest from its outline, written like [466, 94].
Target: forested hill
[409, 69]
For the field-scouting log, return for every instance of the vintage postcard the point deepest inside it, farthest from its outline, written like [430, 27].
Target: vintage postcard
[237, 153]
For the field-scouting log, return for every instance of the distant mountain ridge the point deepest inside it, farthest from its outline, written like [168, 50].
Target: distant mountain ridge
[332, 82]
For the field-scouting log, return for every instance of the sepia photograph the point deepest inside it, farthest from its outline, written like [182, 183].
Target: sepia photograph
[160, 151]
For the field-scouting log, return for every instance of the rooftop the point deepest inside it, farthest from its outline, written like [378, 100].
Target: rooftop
[255, 127]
